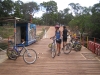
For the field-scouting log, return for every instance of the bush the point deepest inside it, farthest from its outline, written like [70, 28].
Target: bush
[5, 32]
[3, 45]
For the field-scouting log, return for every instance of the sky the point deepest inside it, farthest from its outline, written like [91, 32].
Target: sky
[62, 4]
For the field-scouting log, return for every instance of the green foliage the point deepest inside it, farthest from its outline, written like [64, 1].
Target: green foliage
[3, 45]
[84, 19]
[6, 7]
[96, 15]
[37, 21]
[18, 9]
[29, 9]
[96, 20]
[49, 19]
[5, 32]
[76, 8]
[86, 22]
[51, 6]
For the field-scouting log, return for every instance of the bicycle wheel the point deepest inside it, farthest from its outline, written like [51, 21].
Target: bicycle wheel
[11, 54]
[78, 47]
[30, 56]
[67, 48]
[53, 52]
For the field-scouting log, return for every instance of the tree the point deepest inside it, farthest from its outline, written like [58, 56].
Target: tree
[37, 21]
[60, 17]
[76, 8]
[96, 19]
[50, 6]
[68, 18]
[66, 11]
[18, 9]
[86, 10]
[29, 8]
[6, 7]
[50, 17]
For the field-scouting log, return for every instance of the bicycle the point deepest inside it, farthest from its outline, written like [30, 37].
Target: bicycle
[76, 44]
[53, 47]
[73, 44]
[29, 55]
[67, 48]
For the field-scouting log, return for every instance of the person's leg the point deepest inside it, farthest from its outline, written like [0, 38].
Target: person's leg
[57, 48]
[64, 42]
[59, 45]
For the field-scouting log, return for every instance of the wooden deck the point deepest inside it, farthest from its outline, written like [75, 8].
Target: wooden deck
[75, 63]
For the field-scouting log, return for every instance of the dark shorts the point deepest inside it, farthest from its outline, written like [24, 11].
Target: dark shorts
[58, 41]
[65, 39]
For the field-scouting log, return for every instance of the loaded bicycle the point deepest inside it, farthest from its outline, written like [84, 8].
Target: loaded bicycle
[73, 44]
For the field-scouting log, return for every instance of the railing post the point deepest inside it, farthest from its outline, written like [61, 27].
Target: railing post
[87, 42]
[83, 41]
[94, 44]
[80, 38]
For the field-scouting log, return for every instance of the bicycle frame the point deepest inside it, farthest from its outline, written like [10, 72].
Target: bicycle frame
[19, 51]
[15, 53]
[53, 43]
[53, 52]
[74, 43]
[16, 48]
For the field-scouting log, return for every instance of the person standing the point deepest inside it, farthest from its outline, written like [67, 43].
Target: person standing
[58, 38]
[65, 31]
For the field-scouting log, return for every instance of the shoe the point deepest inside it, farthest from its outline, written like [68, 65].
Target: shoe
[59, 54]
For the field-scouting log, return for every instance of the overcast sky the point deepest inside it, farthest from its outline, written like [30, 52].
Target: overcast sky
[62, 4]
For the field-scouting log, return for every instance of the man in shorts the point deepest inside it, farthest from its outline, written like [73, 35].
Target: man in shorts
[65, 31]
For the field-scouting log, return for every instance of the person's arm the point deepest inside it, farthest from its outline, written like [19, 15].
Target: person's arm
[60, 35]
[52, 37]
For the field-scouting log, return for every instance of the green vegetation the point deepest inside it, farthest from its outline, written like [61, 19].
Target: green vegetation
[83, 19]
[5, 32]
[3, 45]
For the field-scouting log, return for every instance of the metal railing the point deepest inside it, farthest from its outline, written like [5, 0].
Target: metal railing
[92, 43]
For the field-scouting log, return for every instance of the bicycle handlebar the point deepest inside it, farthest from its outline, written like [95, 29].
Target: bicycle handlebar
[53, 38]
